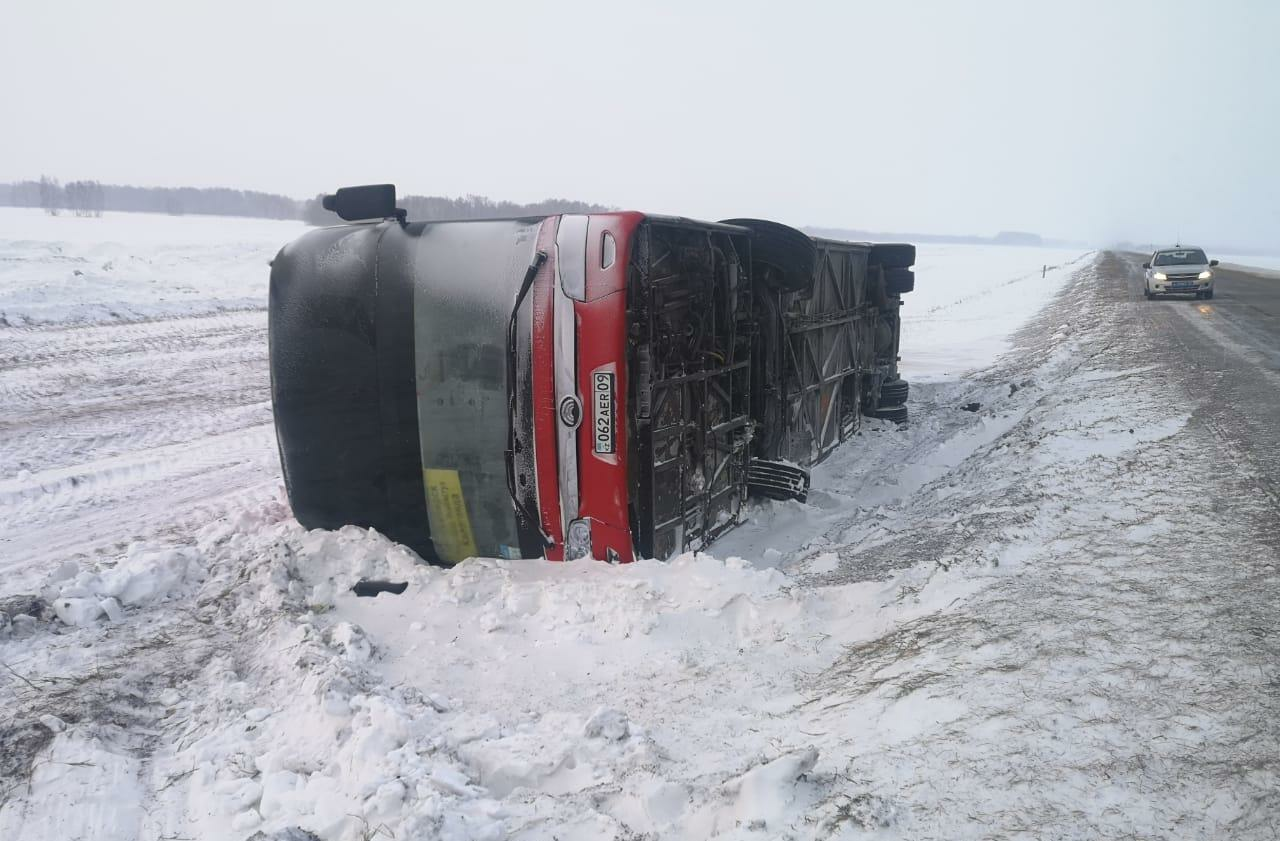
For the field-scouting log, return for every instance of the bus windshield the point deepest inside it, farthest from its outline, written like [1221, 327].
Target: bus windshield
[466, 277]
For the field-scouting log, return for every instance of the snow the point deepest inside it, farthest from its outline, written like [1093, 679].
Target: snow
[983, 624]
[126, 266]
[1271, 262]
[969, 300]
[480, 702]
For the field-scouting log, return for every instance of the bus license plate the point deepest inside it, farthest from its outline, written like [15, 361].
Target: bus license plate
[602, 414]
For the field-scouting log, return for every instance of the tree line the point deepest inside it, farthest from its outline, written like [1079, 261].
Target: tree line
[81, 198]
[91, 198]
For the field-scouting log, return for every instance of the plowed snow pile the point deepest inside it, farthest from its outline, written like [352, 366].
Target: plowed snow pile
[983, 625]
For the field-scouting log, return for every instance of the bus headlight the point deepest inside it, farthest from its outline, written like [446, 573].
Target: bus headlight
[577, 540]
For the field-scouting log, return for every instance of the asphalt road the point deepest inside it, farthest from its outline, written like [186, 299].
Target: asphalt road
[1226, 354]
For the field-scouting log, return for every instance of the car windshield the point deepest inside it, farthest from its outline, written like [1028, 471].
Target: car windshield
[1181, 257]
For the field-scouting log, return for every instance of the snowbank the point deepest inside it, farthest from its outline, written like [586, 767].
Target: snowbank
[143, 575]
[496, 700]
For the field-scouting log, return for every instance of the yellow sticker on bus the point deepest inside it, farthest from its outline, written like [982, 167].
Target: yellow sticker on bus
[447, 513]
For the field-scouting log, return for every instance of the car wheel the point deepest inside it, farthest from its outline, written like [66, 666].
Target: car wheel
[892, 255]
[894, 393]
[899, 281]
[1208, 295]
[1146, 293]
[897, 414]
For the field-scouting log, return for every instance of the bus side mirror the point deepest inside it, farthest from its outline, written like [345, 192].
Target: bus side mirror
[371, 201]
[1213, 262]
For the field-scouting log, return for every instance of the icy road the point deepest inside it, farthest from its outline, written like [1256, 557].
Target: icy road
[1054, 617]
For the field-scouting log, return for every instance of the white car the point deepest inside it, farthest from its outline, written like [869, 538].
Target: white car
[1180, 270]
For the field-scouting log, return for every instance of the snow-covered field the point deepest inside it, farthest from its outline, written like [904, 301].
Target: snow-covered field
[970, 299]
[964, 634]
[132, 265]
[1260, 261]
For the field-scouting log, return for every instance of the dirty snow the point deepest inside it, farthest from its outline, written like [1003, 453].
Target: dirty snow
[987, 624]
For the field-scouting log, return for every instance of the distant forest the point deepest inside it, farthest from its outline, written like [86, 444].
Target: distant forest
[1002, 238]
[91, 198]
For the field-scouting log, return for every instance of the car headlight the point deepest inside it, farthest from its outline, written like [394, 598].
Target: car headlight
[577, 540]
[1159, 276]
[1205, 275]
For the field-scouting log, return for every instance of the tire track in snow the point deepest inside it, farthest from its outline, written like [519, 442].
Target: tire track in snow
[124, 431]
[75, 394]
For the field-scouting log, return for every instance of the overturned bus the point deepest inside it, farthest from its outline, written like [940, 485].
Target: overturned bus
[614, 385]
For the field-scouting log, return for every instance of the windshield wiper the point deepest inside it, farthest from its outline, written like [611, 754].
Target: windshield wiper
[521, 508]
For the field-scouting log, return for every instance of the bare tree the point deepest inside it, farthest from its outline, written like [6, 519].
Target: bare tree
[51, 197]
[84, 198]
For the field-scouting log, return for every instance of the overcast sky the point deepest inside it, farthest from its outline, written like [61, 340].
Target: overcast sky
[1090, 120]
